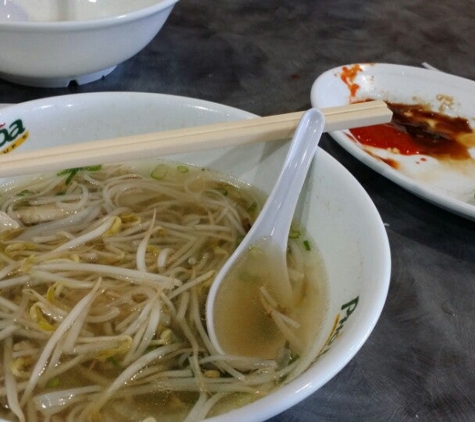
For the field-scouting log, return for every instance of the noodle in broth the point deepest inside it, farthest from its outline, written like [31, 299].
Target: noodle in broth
[104, 273]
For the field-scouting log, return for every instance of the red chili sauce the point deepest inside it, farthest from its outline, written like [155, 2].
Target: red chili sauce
[348, 75]
[415, 129]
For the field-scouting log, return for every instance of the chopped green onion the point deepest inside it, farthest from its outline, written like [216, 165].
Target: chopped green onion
[72, 172]
[223, 191]
[114, 362]
[76, 169]
[159, 172]
[306, 245]
[294, 357]
[24, 192]
[53, 382]
[92, 168]
[71, 176]
[182, 169]
[248, 277]
[239, 239]
[294, 234]
[252, 207]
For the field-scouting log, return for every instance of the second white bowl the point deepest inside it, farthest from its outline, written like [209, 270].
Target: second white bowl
[56, 45]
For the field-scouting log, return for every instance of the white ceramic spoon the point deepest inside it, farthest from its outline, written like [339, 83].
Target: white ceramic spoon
[10, 12]
[260, 262]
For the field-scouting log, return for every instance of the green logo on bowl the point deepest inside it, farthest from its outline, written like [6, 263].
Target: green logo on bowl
[346, 310]
[12, 136]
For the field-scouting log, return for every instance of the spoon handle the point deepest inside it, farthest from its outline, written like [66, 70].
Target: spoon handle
[284, 196]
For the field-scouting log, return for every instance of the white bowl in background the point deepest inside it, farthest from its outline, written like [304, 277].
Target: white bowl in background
[338, 214]
[51, 43]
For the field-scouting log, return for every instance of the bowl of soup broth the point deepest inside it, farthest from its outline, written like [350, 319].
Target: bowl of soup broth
[105, 270]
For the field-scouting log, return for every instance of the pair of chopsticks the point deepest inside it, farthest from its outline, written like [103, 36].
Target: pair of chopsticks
[196, 138]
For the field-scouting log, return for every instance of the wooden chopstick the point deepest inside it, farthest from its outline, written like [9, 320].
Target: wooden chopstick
[196, 138]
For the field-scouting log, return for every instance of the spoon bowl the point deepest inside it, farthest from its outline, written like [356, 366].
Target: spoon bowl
[261, 257]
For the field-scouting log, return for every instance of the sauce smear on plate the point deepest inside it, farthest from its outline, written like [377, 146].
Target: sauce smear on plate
[415, 129]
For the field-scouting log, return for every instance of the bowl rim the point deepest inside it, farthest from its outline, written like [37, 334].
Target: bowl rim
[53, 26]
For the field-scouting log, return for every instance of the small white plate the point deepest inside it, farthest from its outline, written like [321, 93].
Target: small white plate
[448, 184]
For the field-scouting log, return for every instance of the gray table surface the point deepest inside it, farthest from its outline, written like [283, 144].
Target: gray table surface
[263, 56]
